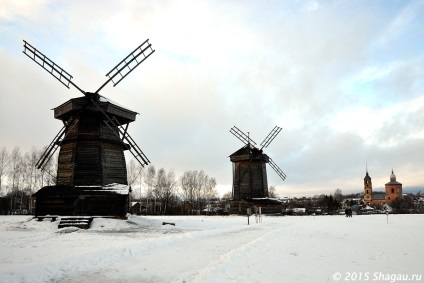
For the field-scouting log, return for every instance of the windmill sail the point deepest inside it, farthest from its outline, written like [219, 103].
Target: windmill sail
[277, 169]
[129, 63]
[133, 147]
[271, 136]
[54, 145]
[59, 73]
[50, 150]
[241, 136]
[124, 136]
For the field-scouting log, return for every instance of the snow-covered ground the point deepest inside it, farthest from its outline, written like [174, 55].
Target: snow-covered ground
[214, 249]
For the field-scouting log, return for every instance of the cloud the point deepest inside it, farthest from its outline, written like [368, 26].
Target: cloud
[402, 23]
[10, 9]
[334, 75]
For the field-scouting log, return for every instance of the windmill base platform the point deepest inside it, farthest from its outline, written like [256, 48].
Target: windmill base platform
[111, 200]
[268, 205]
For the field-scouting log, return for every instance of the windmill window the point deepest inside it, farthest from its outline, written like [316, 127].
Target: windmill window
[393, 190]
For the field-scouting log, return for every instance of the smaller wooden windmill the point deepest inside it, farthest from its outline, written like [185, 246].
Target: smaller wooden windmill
[249, 167]
[91, 173]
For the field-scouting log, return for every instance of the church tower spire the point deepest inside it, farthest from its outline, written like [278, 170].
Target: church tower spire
[367, 187]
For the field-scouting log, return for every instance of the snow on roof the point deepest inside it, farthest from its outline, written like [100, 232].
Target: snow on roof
[368, 208]
[107, 100]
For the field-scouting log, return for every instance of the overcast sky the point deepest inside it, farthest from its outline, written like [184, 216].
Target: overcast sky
[344, 79]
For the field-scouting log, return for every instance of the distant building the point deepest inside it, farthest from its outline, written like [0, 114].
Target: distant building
[348, 202]
[367, 189]
[393, 191]
[378, 198]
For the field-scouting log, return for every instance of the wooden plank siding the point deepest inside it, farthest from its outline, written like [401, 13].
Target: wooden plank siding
[249, 174]
[91, 153]
[254, 183]
[81, 203]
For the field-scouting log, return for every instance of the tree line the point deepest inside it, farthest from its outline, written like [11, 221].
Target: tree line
[158, 190]
[162, 192]
[19, 178]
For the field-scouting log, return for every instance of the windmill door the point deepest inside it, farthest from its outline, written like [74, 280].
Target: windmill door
[81, 206]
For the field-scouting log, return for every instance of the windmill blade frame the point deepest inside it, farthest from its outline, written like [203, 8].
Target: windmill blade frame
[51, 67]
[51, 149]
[54, 145]
[124, 68]
[270, 137]
[277, 169]
[241, 136]
[124, 135]
[133, 145]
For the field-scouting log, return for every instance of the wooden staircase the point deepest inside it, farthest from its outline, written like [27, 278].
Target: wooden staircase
[82, 222]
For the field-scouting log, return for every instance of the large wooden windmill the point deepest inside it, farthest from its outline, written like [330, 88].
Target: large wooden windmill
[91, 173]
[249, 167]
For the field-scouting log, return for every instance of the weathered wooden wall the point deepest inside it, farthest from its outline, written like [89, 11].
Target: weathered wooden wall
[107, 205]
[250, 179]
[91, 154]
[249, 173]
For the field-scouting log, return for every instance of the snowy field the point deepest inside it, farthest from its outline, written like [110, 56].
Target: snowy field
[215, 249]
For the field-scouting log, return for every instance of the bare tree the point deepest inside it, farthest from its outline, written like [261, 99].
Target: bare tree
[22, 177]
[187, 189]
[170, 188]
[14, 175]
[134, 173]
[165, 187]
[149, 180]
[189, 184]
[192, 185]
[33, 176]
[209, 191]
[14, 170]
[227, 196]
[47, 176]
[338, 195]
[272, 192]
[52, 171]
[197, 189]
[4, 165]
